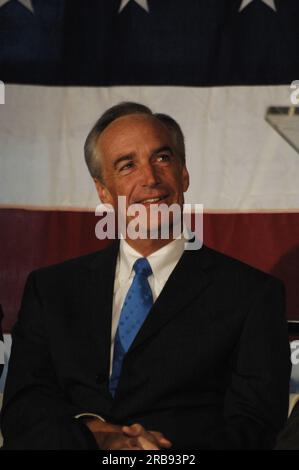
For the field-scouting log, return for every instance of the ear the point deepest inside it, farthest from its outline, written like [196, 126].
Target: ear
[186, 178]
[103, 192]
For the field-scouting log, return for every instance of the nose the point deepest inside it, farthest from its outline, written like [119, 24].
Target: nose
[149, 175]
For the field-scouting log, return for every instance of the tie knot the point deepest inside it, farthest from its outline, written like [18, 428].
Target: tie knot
[142, 266]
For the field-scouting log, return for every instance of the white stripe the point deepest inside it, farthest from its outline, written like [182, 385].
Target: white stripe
[237, 161]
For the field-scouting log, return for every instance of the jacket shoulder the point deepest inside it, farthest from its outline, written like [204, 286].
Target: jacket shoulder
[235, 267]
[76, 266]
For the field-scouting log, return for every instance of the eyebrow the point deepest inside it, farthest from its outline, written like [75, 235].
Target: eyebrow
[130, 157]
[164, 148]
[123, 158]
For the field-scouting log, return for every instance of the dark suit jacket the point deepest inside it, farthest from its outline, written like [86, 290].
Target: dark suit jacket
[209, 367]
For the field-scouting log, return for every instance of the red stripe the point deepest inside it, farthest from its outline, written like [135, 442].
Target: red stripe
[31, 239]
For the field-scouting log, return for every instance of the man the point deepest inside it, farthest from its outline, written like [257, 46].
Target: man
[146, 345]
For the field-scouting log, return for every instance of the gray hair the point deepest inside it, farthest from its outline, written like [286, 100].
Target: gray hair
[124, 109]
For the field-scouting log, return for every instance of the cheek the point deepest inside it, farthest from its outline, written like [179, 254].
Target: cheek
[123, 187]
[177, 181]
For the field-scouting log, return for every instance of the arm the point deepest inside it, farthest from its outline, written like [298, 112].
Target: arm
[256, 403]
[36, 414]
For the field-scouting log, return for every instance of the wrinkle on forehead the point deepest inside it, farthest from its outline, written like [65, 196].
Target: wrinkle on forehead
[121, 131]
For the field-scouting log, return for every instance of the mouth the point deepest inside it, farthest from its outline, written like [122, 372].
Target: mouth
[152, 200]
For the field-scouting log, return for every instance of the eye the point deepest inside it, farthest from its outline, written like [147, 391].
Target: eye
[127, 166]
[163, 157]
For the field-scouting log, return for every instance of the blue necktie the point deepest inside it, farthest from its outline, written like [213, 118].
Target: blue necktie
[136, 307]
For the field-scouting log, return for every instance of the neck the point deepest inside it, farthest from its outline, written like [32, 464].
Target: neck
[148, 246]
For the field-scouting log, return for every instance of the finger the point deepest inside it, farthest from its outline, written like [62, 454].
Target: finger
[146, 444]
[154, 437]
[129, 431]
[162, 440]
[133, 430]
[133, 443]
[123, 443]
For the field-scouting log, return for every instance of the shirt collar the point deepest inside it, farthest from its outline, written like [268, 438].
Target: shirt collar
[161, 261]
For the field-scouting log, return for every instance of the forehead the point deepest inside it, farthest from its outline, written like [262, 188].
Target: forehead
[134, 130]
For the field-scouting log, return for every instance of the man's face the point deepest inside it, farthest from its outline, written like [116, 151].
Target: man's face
[139, 160]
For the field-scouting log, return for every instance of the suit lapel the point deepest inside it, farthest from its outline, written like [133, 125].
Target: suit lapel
[187, 281]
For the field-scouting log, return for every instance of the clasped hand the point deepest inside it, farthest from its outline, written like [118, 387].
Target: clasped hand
[134, 437]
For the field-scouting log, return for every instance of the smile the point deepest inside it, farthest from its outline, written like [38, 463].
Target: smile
[152, 200]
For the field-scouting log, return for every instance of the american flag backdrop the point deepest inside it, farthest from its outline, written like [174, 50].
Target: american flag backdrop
[222, 68]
